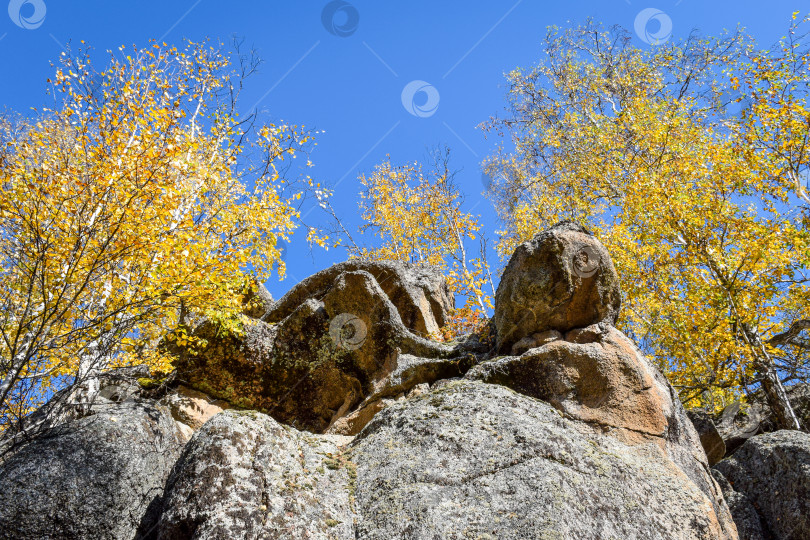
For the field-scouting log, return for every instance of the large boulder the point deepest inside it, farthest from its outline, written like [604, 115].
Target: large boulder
[99, 477]
[560, 280]
[596, 375]
[466, 460]
[246, 476]
[749, 524]
[318, 363]
[773, 472]
[419, 293]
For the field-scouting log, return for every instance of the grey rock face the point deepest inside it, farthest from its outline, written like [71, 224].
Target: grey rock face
[473, 460]
[245, 476]
[773, 472]
[467, 460]
[596, 375]
[749, 524]
[710, 438]
[98, 477]
[560, 280]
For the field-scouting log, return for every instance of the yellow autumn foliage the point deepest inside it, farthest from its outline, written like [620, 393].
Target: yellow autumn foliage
[417, 217]
[685, 160]
[139, 198]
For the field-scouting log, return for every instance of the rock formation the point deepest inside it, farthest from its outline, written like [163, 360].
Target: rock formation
[770, 474]
[598, 377]
[334, 415]
[711, 440]
[419, 293]
[746, 518]
[327, 346]
[466, 460]
[99, 477]
[560, 280]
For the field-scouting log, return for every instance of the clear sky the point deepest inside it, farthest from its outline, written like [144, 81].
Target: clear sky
[342, 67]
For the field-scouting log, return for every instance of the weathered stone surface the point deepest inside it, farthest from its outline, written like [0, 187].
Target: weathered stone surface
[773, 472]
[468, 460]
[749, 524]
[737, 423]
[97, 477]
[561, 279]
[602, 379]
[318, 363]
[535, 340]
[419, 293]
[472, 460]
[245, 476]
[710, 439]
[230, 366]
[354, 422]
[406, 373]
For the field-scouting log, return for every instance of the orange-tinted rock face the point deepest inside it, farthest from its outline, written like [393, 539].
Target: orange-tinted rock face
[597, 376]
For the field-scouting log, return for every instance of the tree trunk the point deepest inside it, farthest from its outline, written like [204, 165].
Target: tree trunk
[775, 393]
[778, 400]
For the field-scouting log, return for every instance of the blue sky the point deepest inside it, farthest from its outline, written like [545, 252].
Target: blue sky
[342, 68]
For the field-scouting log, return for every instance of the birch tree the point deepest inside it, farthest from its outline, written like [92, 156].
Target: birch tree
[140, 196]
[688, 160]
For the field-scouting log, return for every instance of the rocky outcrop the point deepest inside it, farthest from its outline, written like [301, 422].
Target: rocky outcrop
[467, 460]
[419, 293]
[594, 375]
[409, 374]
[597, 376]
[772, 471]
[710, 438]
[191, 409]
[373, 431]
[246, 476]
[560, 280]
[98, 477]
[322, 360]
[354, 422]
